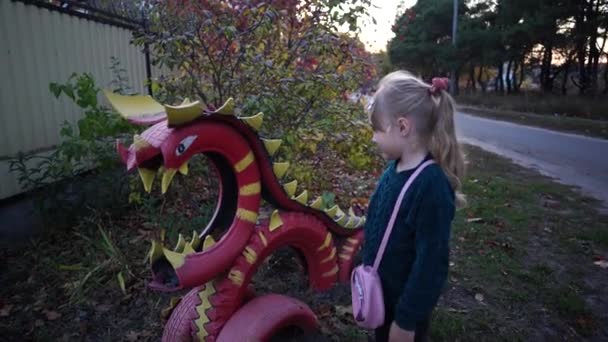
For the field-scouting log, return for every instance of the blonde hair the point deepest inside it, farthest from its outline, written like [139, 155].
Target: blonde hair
[400, 94]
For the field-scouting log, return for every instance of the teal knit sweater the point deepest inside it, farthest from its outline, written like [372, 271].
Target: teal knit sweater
[415, 263]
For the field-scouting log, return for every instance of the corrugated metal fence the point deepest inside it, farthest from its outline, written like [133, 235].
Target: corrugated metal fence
[39, 46]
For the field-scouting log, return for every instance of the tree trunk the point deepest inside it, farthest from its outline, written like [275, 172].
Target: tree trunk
[581, 49]
[482, 84]
[545, 78]
[594, 52]
[472, 78]
[606, 79]
[565, 79]
[508, 77]
[500, 86]
[522, 74]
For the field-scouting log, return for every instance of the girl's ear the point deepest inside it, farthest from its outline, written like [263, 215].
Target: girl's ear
[405, 126]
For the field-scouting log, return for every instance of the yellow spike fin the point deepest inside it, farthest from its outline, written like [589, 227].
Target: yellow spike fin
[341, 220]
[303, 197]
[129, 106]
[317, 203]
[254, 121]
[195, 241]
[208, 243]
[227, 108]
[351, 212]
[331, 212]
[275, 221]
[290, 188]
[181, 242]
[186, 101]
[182, 114]
[272, 145]
[352, 222]
[184, 168]
[147, 177]
[175, 259]
[156, 251]
[339, 212]
[280, 169]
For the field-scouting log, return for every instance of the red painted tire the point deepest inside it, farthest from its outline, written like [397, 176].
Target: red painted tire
[265, 316]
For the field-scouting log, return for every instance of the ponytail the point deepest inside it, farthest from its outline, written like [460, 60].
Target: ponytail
[444, 146]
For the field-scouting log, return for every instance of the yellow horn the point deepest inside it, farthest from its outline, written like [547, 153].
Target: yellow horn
[175, 259]
[208, 243]
[182, 114]
[227, 108]
[195, 241]
[156, 251]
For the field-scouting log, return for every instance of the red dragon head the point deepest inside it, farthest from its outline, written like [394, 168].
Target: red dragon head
[164, 146]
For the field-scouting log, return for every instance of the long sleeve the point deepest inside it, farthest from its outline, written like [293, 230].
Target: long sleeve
[430, 268]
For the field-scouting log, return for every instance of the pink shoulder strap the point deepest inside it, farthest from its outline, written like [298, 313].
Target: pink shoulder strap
[391, 222]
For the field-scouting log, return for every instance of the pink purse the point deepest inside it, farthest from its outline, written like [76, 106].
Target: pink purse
[365, 284]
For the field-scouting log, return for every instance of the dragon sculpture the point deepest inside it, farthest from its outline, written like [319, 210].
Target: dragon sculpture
[221, 305]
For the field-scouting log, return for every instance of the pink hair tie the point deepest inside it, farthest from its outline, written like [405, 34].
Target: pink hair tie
[438, 84]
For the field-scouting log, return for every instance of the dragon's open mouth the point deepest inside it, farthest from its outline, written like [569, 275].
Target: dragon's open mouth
[165, 262]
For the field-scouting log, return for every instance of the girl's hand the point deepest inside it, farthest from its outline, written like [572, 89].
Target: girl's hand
[399, 335]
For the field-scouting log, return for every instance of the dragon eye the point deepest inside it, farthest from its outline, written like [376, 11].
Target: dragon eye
[184, 144]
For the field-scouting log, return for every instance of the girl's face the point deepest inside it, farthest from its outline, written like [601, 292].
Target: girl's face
[392, 140]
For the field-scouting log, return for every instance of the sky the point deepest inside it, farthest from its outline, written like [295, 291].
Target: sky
[376, 36]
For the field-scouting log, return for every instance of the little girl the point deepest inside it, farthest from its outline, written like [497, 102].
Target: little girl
[413, 122]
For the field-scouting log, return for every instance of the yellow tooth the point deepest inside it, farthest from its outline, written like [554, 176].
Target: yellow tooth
[341, 220]
[186, 101]
[188, 249]
[290, 188]
[351, 212]
[196, 240]
[272, 145]
[317, 203]
[227, 108]
[175, 259]
[280, 169]
[167, 178]
[331, 212]
[181, 242]
[303, 197]
[147, 177]
[184, 168]
[254, 121]
[275, 221]
[156, 251]
[208, 243]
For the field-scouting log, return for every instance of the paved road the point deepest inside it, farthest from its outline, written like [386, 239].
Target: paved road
[571, 159]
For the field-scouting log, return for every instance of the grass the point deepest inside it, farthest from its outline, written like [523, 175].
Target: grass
[571, 114]
[522, 255]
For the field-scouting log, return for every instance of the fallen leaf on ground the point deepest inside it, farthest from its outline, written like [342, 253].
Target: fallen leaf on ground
[132, 336]
[479, 297]
[6, 310]
[344, 310]
[602, 263]
[51, 315]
